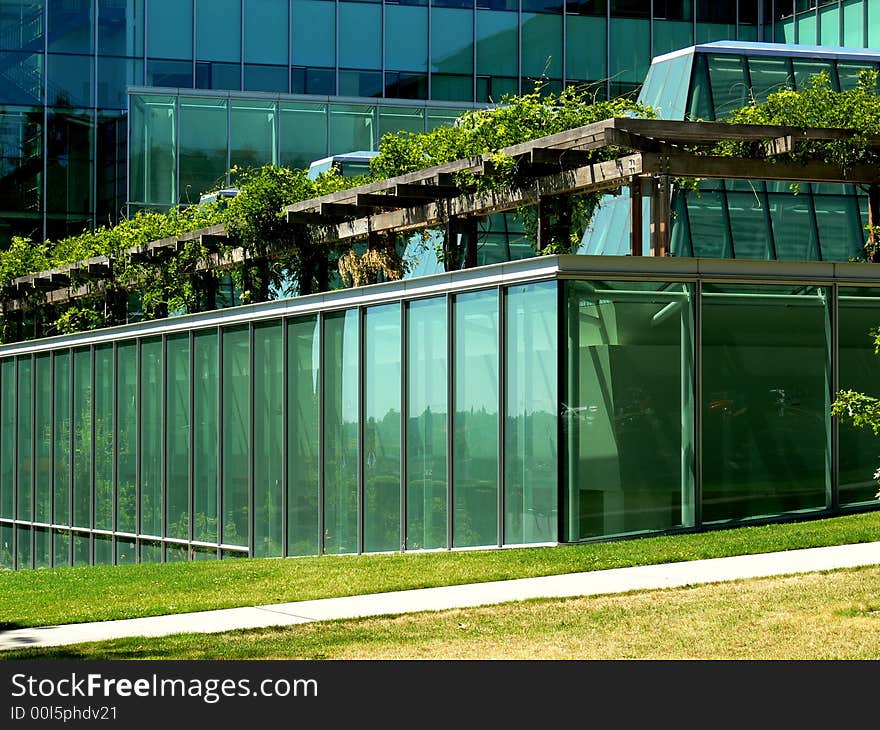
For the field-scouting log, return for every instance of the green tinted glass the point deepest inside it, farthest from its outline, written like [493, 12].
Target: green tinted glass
[236, 434]
[268, 438]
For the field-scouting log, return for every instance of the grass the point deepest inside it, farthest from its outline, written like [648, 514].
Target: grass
[833, 615]
[73, 595]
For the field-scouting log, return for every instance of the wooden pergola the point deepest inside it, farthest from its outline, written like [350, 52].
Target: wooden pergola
[648, 154]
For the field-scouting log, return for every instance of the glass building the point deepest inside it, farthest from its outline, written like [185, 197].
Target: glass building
[67, 67]
[560, 399]
[745, 218]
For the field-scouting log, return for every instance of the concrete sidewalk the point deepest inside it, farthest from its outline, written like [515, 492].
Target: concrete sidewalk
[617, 580]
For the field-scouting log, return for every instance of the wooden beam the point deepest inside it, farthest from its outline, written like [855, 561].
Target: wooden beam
[599, 176]
[387, 202]
[343, 210]
[432, 192]
[635, 217]
[687, 165]
[559, 157]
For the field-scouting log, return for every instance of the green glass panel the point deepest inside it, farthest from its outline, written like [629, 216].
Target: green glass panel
[303, 447]
[43, 438]
[104, 440]
[841, 235]
[530, 448]
[438, 117]
[341, 423]
[150, 552]
[121, 27]
[710, 234]
[750, 224]
[806, 71]
[496, 43]
[352, 128]
[829, 26]
[401, 118]
[475, 423]
[218, 30]
[303, 133]
[671, 35]
[236, 434]
[82, 549]
[203, 139]
[268, 438]
[313, 33]
[708, 32]
[126, 436]
[61, 548]
[206, 434]
[427, 408]
[381, 452]
[542, 46]
[61, 440]
[629, 382]
[730, 89]
[807, 31]
[406, 38]
[24, 476]
[82, 438]
[360, 35]
[176, 553]
[177, 435]
[769, 75]
[23, 547]
[253, 139]
[70, 26]
[853, 24]
[452, 43]
[7, 546]
[7, 444]
[630, 53]
[42, 548]
[103, 550]
[848, 72]
[700, 96]
[176, 22]
[126, 551]
[765, 401]
[265, 37]
[858, 316]
[153, 149]
[202, 553]
[793, 226]
[151, 437]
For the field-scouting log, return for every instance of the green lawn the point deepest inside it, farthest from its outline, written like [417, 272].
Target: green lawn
[833, 615]
[71, 595]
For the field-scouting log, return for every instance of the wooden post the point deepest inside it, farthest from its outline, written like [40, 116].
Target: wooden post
[660, 216]
[544, 234]
[635, 217]
[470, 231]
[451, 250]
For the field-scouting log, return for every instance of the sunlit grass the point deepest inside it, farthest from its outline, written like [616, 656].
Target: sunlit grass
[71, 595]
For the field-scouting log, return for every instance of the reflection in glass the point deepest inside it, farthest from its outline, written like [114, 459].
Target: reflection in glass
[531, 454]
[628, 395]
[303, 455]
[25, 439]
[268, 438]
[475, 423]
[151, 437]
[43, 438]
[236, 432]
[126, 436]
[206, 435]
[426, 430]
[177, 435]
[82, 438]
[381, 450]
[765, 401]
[341, 421]
[104, 441]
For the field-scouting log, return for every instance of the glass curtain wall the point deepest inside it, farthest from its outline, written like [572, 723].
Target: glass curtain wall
[453, 420]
